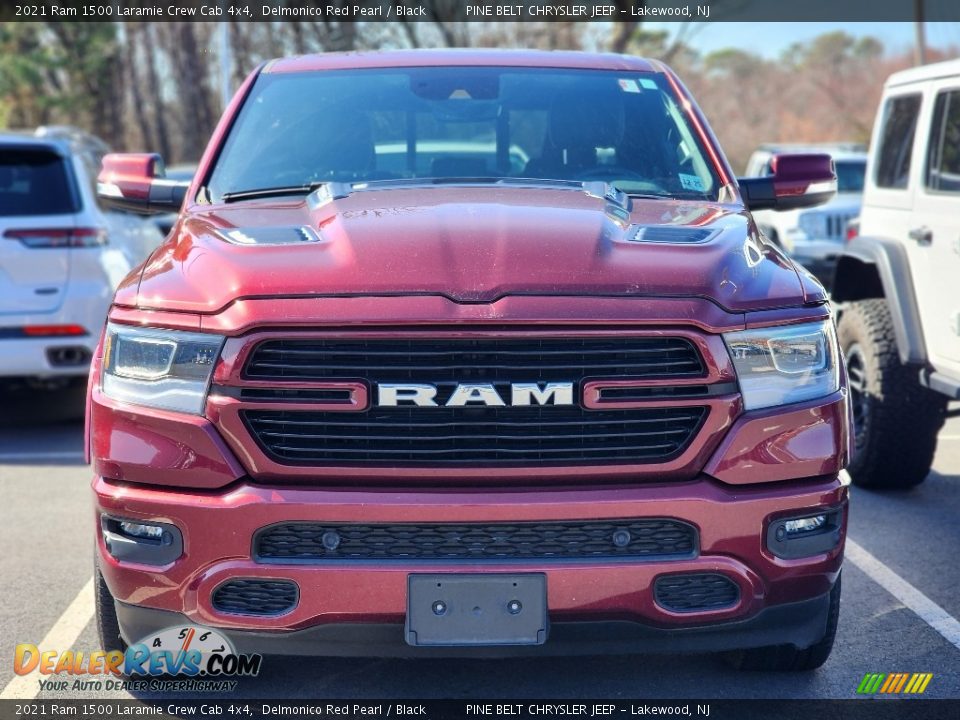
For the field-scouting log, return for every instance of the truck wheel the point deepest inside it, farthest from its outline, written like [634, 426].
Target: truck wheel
[787, 658]
[108, 627]
[896, 419]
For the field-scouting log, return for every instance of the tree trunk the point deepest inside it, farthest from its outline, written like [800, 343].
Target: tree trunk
[153, 83]
[146, 136]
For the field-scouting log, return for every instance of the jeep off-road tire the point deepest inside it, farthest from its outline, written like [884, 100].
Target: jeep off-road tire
[787, 658]
[896, 419]
[108, 626]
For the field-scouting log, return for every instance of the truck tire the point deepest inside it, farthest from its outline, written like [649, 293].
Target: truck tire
[896, 419]
[787, 658]
[108, 626]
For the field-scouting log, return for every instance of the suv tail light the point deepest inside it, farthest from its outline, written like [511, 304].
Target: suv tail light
[853, 229]
[59, 237]
[53, 330]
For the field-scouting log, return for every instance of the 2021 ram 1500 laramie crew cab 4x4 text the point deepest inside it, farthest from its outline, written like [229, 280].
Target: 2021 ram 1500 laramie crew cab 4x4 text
[533, 385]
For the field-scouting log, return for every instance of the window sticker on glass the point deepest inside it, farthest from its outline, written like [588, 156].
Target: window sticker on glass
[647, 84]
[691, 182]
[629, 85]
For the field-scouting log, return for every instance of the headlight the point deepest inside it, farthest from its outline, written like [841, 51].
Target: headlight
[781, 365]
[813, 224]
[166, 369]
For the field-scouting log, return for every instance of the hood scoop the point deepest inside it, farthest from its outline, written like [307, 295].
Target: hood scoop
[289, 235]
[677, 235]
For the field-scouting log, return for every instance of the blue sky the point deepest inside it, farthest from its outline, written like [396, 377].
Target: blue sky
[769, 39]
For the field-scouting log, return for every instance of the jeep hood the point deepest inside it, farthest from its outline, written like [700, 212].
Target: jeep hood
[469, 244]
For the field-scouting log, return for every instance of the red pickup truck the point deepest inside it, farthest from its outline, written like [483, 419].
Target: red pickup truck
[470, 353]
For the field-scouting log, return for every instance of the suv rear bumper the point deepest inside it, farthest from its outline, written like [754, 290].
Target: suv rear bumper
[355, 607]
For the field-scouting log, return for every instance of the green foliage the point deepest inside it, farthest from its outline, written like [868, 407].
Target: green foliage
[49, 71]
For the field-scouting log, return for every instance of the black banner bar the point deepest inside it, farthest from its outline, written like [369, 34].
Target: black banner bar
[485, 11]
[874, 708]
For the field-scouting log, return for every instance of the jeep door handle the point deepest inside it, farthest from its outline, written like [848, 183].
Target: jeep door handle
[923, 235]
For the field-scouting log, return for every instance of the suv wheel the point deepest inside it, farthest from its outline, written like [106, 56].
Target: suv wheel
[896, 419]
[787, 658]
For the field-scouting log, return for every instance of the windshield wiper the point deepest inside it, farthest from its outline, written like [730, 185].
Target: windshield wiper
[270, 192]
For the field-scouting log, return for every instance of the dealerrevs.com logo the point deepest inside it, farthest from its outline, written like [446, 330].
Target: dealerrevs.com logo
[178, 658]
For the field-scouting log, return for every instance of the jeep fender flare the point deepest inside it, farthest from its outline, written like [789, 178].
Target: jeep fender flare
[873, 267]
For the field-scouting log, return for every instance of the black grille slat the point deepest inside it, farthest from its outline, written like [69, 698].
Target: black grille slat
[334, 422]
[409, 435]
[330, 370]
[252, 596]
[464, 436]
[461, 451]
[696, 592]
[446, 353]
[424, 436]
[649, 538]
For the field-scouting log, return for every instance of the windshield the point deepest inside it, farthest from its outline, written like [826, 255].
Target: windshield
[850, 175]
[298, 129]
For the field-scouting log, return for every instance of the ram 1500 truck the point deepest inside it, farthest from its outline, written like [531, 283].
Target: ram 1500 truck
[534, 384]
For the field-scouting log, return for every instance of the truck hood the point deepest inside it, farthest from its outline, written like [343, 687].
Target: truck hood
[469, 244]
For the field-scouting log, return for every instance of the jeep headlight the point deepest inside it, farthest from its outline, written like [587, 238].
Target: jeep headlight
[165, 369]
[785, 364]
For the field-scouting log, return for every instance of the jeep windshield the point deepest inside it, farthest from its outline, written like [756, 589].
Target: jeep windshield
[300, 130]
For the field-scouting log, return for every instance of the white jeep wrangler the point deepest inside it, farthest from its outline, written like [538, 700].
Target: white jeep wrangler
[898, 282]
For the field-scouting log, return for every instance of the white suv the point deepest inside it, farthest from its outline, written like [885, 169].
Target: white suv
[61, 255]
[814, 237]
[899, 280]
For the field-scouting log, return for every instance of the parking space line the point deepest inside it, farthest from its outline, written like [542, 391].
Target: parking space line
[61, 637]
[925, 608]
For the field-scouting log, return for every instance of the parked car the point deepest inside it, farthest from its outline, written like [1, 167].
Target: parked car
[897, 280]
[574, 407]
[814, 237]
[61, 255]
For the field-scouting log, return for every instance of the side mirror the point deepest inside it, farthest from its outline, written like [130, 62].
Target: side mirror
[796, 181]
[137, 182]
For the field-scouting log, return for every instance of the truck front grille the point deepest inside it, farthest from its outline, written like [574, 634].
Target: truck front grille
[406, 436]
[649, 538]
[445, 436]
[458, 360]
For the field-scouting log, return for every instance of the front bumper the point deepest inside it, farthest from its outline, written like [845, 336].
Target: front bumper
[359, 607]
[801, 624]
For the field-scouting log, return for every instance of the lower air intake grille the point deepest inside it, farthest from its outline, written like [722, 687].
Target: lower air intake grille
[649, 538]
[695, 593]
[252, 596]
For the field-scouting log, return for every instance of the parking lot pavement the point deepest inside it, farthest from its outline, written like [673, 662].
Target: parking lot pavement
[913, 535]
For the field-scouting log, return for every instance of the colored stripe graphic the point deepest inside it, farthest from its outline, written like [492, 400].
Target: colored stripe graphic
[894, 683]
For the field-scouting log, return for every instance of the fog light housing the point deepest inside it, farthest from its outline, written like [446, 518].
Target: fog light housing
[145, 543]
[805, 535]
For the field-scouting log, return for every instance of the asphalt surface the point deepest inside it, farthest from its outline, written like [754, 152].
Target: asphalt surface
[45, 531]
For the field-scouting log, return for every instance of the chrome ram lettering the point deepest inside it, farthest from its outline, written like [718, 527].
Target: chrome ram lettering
[521, 394]
[525, 393]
